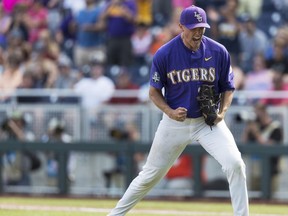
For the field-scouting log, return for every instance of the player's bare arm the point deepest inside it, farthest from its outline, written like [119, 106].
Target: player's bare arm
[226, 99]
[158, 99]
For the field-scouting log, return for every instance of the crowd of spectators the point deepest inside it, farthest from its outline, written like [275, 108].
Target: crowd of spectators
[48, 44]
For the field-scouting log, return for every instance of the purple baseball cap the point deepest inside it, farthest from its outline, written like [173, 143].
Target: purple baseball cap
[194, 17]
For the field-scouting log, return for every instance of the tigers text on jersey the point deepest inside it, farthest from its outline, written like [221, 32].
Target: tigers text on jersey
[181, 71]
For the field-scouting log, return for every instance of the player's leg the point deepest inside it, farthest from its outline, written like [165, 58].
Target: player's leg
[168, 144]
[220, 144]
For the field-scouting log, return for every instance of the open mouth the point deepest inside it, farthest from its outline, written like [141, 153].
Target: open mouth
[196, 39]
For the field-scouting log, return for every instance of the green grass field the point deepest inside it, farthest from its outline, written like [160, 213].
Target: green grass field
[38, 206]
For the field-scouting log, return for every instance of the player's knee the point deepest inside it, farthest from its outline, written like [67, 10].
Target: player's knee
[150, 177]
[237, 166]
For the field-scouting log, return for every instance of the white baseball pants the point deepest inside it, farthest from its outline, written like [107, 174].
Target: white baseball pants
[170, 140]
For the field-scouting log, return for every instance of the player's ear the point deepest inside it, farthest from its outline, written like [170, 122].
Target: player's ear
[181, 27]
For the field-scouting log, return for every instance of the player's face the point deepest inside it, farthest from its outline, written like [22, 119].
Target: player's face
[192, 37]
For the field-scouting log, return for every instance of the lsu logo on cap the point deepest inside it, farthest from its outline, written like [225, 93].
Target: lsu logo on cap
[198, 16]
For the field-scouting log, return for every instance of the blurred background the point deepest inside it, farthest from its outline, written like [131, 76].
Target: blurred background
[78, 72]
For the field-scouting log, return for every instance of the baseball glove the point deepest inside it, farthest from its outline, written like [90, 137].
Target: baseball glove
[208, 102]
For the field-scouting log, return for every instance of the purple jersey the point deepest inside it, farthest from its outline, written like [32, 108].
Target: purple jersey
[181, 71]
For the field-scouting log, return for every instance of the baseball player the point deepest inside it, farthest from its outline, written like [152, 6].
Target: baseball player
[181, 66]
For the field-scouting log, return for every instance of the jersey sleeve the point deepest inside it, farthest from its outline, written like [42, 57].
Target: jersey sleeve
[226, 79]
[157, 72]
